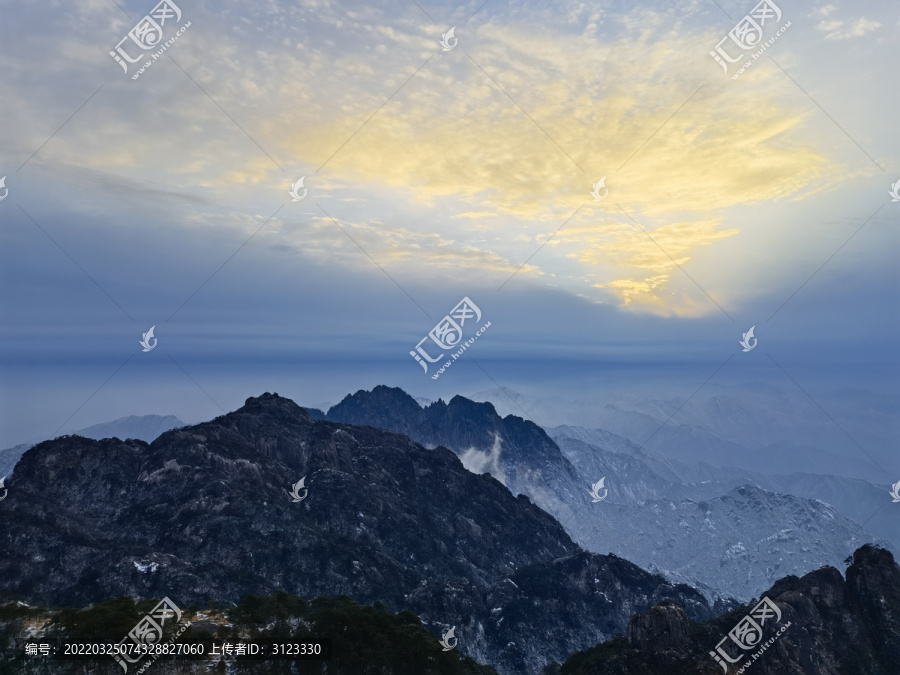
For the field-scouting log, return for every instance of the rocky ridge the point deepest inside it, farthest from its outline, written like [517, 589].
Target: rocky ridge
[205, 512]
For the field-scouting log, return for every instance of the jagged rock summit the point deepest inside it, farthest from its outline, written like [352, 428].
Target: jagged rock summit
[828, 625]
[726, 537]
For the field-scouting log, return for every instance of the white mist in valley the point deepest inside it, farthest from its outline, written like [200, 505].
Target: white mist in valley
[485, 461]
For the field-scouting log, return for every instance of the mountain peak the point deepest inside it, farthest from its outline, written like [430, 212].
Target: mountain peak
[853, 630]
[271, 403]
[268, 400]
[385, 407]
[383, 388]
[483, 410]
[380, 518]
[263, 397]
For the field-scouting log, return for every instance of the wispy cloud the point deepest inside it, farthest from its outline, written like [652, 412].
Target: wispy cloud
[838, 29]
[493, 143]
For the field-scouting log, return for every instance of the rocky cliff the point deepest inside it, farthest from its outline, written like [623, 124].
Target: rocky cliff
[824, 624]
[213, 511]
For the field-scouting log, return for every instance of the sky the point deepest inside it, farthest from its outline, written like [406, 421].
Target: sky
[435, 172]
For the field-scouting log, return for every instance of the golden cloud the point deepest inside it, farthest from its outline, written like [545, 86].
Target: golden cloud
[499, 140]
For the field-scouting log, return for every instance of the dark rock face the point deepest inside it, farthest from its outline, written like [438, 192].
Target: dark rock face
[386, 408]
[662, 631]
[736, 542]
[831, 626]
[458, 425]
[144, 427]
[205, 512]
[565, 592]
[513, 450]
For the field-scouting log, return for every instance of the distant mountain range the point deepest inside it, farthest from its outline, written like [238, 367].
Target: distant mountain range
[144, 427]
[716, 529]
[413, 520]
[206, 512]
[755, 427]
[791, 523]
[692, 522]
[857, 499]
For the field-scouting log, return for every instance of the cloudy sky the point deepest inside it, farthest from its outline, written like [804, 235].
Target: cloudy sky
[432, 175]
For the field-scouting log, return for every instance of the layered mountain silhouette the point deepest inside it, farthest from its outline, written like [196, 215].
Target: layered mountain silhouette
[719, 528]
[855, 498]
[714, 528]
[829, 625]
[205, 512]
[515, 451]
[753, 426]
[474, 431]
